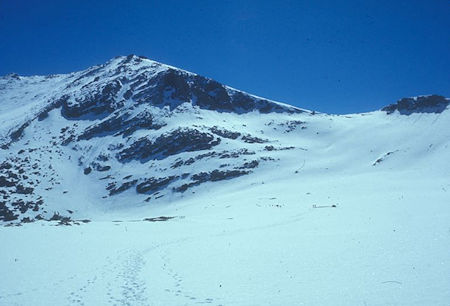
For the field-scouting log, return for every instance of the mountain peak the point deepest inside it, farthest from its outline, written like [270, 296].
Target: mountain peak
[104, 119]
[133, 80]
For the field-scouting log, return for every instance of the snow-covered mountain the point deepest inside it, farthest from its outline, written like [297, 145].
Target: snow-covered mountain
[292, 202]
[134, 131]
[132, 127]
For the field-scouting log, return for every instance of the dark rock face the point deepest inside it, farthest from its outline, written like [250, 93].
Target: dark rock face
[94, 103]
[291, 125]
[121, 124]
[236, 154]
[250, 165]
[171, 143]
[87, 170]
[168, 87]
[6, 214]
[174, 87]
[213, 176]
[211, 95]
[14, 184]
[102, 168]
[18, 133]
[125, 186]
[252, 139]
[23, 190]
[421, 104]
[152, 185]
[213, 154]
[4, 182]
[225, 133]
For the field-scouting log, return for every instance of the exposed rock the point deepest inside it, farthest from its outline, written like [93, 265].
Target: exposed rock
[272, 148]
[379, 160]
[292, 125]
[171, 143]
[225, 133]
[421, 104]
[152, 184]
[94, 103]
[252, 139]
[16, 134]
[4, 182]
[23, 190]
[101, 168]
[158, 219]
[26, 220]
[87, 170]
[123, 124]
[63, 220]
[236, 154]
[123, 187]
[5, 165]
[250, 165]
[213, 176]
[6, 214]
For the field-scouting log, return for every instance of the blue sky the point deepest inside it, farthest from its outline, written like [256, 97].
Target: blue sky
[330, 56]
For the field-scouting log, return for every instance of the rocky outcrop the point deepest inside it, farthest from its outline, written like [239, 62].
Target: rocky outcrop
[17, 194]
[213, 176]
[114, 189]
[157, 85]
[253, 139]
[93, 104]
[121, 124]
[420, 104]
[171, 143]
[224, 133]
[153, 184]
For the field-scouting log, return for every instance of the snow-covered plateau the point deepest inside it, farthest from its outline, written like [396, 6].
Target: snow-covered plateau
[138, 183]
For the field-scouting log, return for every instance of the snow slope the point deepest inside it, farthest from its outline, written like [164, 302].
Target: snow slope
[266, 204]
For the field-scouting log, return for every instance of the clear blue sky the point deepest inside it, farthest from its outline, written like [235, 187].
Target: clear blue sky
[330, 56]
